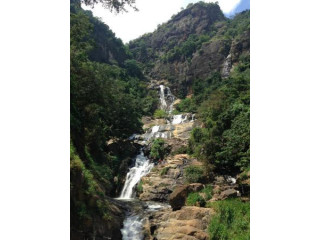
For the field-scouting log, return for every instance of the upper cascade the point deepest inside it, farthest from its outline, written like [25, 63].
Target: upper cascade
[169, 127]
[166, 99]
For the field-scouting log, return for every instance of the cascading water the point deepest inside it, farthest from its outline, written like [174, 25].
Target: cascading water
[166, 99]
[163, 102]
[178, 119]
[132, 228]
[133, 224]
[142, 167]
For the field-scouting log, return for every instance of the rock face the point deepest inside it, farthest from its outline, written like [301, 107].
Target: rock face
[218, 53]
[161, 181]
[189, 223]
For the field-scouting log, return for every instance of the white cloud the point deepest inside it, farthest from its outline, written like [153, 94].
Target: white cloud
[131, 25]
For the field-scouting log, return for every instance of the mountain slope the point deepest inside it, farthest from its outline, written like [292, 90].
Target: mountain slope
[192, 45]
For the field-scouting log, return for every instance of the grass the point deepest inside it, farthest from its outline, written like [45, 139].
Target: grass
[207, 192]
[194, 199]
[139, 187]
[164, 171]
[231, 221]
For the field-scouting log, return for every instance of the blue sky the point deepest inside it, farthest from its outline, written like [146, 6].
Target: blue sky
[131, 25]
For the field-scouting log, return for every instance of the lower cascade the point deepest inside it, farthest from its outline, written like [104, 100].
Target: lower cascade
[142, 167]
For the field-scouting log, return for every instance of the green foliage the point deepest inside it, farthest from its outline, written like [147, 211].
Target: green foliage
[89, 189]
[186, 105]
[158, 150]
[180, 150]
[159, 113]
[224, 142]
[231, 220]
[194, 199]
[207, 192]
[112, 5]
[194, 174]
[186, 49]
[164, 171]
[108, 96]
[140, 187]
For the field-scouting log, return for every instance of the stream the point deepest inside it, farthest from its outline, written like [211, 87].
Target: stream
[133, 223]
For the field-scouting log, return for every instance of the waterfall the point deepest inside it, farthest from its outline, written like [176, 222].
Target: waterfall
[166, 99]
[163, 103]
[142, 167]
[177, 119]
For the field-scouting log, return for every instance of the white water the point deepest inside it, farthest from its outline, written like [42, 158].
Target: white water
[166, 99]
[163, 102]
[133, 224]
[178, 119]
[142, 167]
[132, 228]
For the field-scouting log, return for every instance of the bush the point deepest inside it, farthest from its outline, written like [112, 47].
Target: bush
[159, 113]
[231, 221]
[207, 192]
[186, 105]
[194, 199]
[158, 150]
[194, 174]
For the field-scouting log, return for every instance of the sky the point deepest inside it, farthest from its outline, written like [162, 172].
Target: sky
[132, 24]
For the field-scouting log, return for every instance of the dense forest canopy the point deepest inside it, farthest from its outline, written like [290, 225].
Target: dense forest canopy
[108, 98]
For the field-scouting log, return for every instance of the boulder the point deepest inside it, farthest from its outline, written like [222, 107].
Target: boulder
[229, 193]
[178, 197]
[195, 187]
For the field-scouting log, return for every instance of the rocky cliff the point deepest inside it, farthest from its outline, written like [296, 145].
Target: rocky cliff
[192, 45]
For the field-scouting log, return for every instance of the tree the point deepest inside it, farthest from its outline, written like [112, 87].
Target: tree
[116, 5]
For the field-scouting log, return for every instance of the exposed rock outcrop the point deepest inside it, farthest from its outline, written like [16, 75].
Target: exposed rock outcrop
[161, 181]
[188, 223]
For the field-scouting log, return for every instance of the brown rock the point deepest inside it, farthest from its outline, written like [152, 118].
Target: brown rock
[229, 193]
[178, 197]
[186, 223]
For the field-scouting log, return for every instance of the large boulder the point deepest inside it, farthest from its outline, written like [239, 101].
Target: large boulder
[178, 197]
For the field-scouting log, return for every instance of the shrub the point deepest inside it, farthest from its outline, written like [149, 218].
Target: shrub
[181, 150]
[194, 174]
[231, 221]
[186, 105]
[207, 192]
[159, 113]
[158, 150]
[194, 199]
